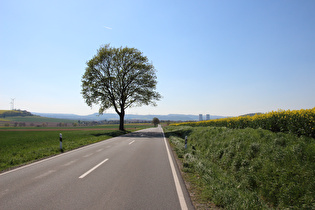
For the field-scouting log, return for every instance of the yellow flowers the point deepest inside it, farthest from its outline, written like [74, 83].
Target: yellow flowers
[300, 122]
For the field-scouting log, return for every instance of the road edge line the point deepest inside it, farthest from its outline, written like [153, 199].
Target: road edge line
[48, 158]
[179, 189]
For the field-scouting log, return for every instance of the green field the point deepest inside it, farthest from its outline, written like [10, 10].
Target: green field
[31, 121]
[247, 168]
[130, 126]
[35, 119]
[20, 147]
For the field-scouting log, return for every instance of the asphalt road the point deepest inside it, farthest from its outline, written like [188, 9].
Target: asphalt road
[134, 171]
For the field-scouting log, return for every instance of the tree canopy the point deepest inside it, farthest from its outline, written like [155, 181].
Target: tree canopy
[119, 78]
[156, 121]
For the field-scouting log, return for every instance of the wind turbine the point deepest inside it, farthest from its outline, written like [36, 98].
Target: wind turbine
[12, 103]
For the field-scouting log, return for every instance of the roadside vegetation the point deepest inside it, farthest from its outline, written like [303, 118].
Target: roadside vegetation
[18, 147]
[247, 168]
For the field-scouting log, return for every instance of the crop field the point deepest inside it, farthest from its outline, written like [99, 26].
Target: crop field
[19, 146]
[131, 126]
[35, 119]
[299, 122]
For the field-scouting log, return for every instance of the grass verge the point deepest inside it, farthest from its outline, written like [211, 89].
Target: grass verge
[247, 168]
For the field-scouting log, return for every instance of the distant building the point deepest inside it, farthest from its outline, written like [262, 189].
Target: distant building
[207, 116]
[200, 117]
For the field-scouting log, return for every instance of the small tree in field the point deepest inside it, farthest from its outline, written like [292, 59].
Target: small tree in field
[119, 78]
[155, 121]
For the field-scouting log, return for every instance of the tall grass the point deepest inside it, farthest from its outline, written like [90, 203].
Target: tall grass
[248, 168]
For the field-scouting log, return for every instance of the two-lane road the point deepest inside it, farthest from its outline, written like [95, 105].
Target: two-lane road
[134, 171]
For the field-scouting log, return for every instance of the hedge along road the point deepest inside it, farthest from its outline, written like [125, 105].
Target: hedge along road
[134, 171]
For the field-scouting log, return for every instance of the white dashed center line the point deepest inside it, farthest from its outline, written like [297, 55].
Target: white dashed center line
[92, 169]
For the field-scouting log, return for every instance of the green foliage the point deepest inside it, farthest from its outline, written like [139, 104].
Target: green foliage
[248, 168]
[155, 121]
[119, 78]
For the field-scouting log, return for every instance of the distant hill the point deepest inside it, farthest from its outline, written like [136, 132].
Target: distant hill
[112, 116]
[19, 115]
[14, 113]
[108, 116]
[24, 118]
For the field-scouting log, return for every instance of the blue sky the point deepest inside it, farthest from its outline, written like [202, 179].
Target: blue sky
[212, 57]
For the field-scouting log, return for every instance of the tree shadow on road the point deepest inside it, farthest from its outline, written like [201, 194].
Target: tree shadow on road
[144, 135]
[112, 134]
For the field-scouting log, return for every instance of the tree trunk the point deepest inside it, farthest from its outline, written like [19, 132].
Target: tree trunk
[122, 119]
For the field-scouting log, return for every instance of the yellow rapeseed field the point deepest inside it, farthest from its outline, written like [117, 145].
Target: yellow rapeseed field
[300, 122]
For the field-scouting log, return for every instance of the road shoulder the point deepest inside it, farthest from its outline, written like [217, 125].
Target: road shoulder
[190, 187]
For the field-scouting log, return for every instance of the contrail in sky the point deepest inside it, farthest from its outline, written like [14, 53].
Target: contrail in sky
[108, 27]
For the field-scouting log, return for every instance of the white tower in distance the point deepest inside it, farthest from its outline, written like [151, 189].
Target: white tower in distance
[200, 117]
[12, 103]
[207, 116]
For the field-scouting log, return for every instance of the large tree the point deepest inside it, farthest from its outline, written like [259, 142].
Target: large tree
[119, 78]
